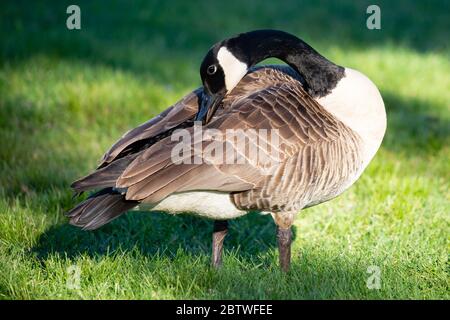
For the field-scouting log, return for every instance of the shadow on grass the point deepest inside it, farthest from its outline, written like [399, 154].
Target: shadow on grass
[250, 271]
[412, 127]
[131, 35]
[159, 233]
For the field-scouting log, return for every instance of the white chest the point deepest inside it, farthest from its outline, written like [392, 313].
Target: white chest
[357, 103]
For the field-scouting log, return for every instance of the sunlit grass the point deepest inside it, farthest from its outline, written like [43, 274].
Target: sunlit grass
[65, 98]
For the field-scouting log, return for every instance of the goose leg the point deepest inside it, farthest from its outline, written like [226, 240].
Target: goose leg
[284, 237]
[284, 221]
[219, 233]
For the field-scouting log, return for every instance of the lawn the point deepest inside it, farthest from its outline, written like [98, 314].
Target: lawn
[66, 96]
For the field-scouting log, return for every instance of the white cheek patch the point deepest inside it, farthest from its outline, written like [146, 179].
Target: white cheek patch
[233, 68]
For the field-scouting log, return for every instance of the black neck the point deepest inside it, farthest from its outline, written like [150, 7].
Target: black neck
[320, 74]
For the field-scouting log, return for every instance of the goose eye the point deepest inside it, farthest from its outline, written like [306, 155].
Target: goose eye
[212, 69]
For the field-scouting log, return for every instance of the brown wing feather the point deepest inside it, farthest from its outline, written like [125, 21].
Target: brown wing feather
[127, 148]
[310, 140]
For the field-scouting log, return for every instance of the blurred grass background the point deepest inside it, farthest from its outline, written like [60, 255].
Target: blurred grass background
[66, 96]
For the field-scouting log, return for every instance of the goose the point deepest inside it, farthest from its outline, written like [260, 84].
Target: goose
[330, 122]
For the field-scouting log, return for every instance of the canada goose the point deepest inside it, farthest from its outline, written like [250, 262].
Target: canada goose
[330, 120]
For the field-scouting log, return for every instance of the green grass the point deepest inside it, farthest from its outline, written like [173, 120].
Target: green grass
[66, 96]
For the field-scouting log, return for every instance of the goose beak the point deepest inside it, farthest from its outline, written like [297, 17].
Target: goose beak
[208, 106]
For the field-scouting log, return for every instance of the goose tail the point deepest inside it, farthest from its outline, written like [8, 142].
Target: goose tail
[99, 209]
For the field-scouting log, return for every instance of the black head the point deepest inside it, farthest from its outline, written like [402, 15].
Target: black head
[212, 74]
[220, 71]
[227, 62]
